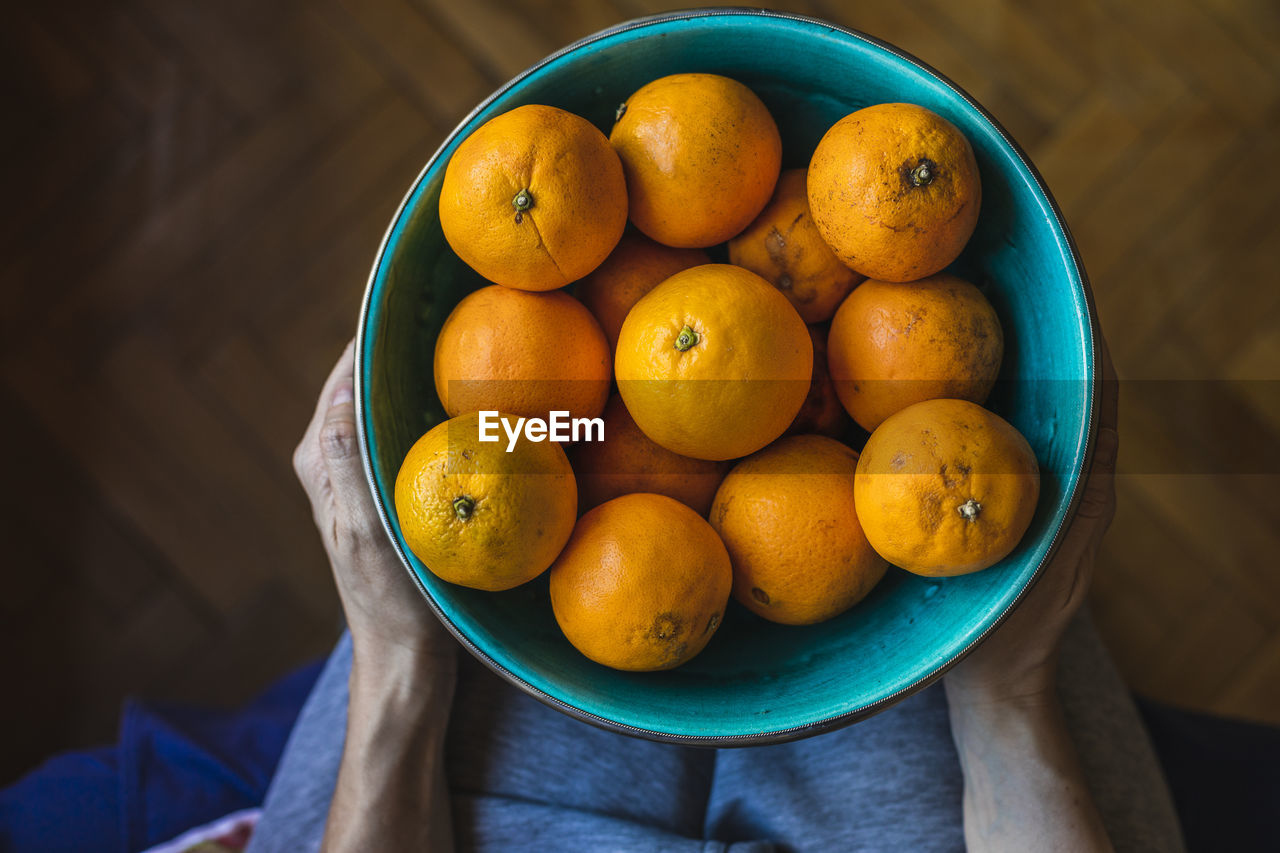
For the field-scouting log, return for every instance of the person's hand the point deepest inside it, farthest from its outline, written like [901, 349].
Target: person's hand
[391, 792]
[1017, 662]
[385, 611]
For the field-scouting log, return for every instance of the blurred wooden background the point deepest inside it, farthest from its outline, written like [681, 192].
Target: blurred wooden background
[195, 193]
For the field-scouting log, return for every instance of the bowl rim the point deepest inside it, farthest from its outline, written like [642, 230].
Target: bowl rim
[789, 733]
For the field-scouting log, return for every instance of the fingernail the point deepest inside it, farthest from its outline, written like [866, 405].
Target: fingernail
[342, 394]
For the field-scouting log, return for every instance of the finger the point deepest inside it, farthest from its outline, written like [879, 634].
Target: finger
[343, 369]
[1099, 494]
[308, 461]
[1085, 559]
[340, 449]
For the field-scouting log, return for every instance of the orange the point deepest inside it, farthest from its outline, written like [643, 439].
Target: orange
[787, 517]
[642, 584]
[892, 345]
[894, 189]
[629, 461]
[636, 266]
[522, 353]
[821, 412]
[479, 516]
[714, 362]
[701, 154]
[784, 246]
[534, 198]
[945, 487]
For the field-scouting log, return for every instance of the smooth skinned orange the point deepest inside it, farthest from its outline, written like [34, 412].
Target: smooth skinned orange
[946, 487]
[894, 190]
[534, 198]
[629, 461]
[635, 267]
[701, 154]
[788, 519]
[714, 363]
[479, 516]
[642, 584]
[522, 353]
[784, 247]
[892, 345]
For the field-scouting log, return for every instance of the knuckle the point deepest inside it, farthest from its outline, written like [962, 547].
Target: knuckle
[338, 439]
[1106, 449]
[1098, 501]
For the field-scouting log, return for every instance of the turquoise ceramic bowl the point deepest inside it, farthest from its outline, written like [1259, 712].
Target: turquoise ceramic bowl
[756, 682]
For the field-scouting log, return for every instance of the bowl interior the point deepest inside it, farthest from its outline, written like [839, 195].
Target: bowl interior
[755, 680]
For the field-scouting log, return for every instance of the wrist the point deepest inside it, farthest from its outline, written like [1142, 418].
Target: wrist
[401, 672]
[1032, 688]
[391, 791]
[398, 705]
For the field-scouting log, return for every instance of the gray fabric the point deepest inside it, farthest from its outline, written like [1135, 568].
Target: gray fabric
[297, 802]
[890, 782]
[1119, 761]
[526, 777]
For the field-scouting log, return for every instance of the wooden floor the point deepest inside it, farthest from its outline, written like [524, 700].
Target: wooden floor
[195, 192]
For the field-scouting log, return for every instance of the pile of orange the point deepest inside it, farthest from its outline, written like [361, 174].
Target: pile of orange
[725, 468]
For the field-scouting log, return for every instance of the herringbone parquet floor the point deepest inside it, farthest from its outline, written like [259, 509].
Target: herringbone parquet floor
[195, 192]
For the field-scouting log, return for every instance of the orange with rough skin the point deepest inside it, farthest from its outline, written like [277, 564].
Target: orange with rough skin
[714, 363]
[784, 246]
[892, 345]
[701, 154]
[636, 266]
[821, 412]
[894, 190]
[946, 487]
[628, 461]
[522, 353]
[479, 516]
[642, 584]
[787, 517]
[534, 198]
